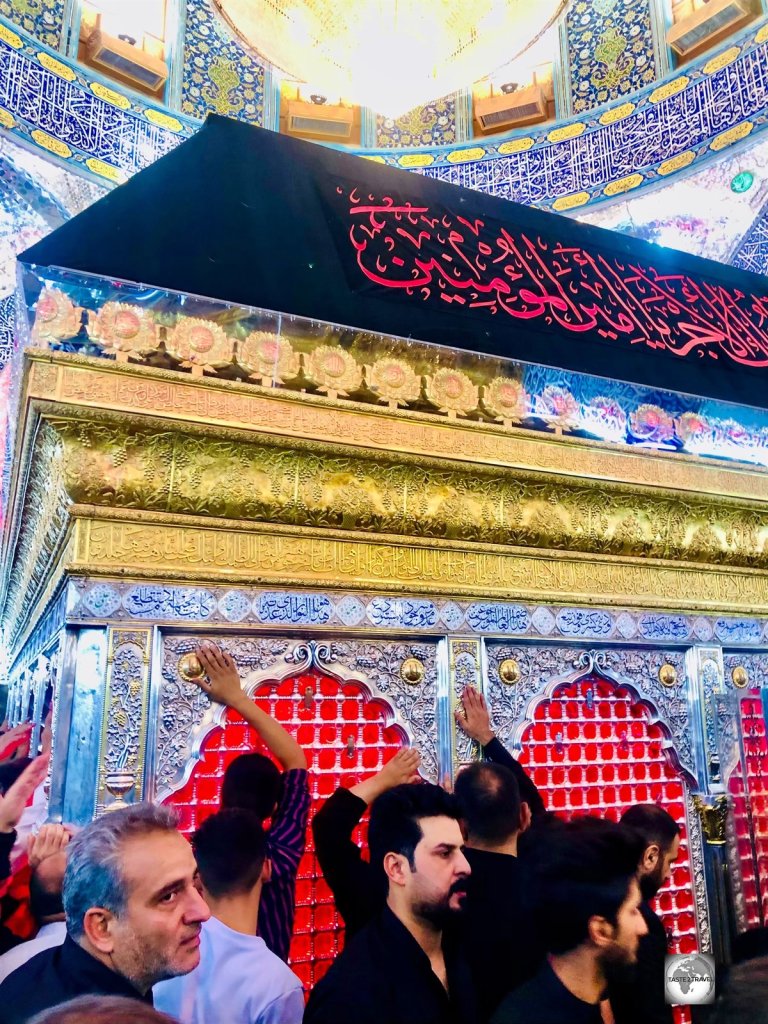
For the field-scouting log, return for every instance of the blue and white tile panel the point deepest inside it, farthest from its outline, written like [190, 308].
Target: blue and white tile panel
[106, 600]
[78, 117]
[717, 102]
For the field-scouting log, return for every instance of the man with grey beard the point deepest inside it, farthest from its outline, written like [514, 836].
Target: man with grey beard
[133, 916]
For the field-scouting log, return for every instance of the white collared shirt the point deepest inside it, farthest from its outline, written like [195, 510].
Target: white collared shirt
[238, 981]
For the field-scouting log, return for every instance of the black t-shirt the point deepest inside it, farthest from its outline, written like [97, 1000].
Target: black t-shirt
[55, 975]
[384, 977]
[497, 928]
[545, 1000]
[640, 999]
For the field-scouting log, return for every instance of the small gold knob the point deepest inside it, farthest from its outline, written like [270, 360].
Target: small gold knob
[740, 677]
[509, 672]
[667, 674]
[412, 671]
[190, 668]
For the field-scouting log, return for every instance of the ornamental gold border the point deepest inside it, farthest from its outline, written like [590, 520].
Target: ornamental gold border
[113, 734]
[164, 547]
[79, 382]
[235, 475]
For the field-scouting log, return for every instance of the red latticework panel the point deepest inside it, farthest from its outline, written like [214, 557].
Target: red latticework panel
[323, 721]
[592, 750]
[751, 808]
[741, 823]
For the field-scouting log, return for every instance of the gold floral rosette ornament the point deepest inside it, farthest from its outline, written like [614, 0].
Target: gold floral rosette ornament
[56, 317]
[200, 344]
[333, 370]
[123, 329]
[268, 357]
[506, 400]
[452, 391]
[394, 382]
[558, 407]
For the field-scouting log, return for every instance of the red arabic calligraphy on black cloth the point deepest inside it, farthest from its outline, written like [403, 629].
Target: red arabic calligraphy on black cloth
[429, 255]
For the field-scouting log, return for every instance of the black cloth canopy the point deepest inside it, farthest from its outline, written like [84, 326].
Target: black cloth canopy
[252, 217]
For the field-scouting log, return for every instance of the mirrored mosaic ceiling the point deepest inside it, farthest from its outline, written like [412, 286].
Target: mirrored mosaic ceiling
[717, 211]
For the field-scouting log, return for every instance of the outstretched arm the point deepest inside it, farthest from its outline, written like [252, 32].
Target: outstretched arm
[403, 768]
[223, 685]
[12, 806]
[476, 723]
[356, 885]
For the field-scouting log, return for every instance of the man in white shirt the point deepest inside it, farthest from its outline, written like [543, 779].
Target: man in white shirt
[238, 980]
[48, 860]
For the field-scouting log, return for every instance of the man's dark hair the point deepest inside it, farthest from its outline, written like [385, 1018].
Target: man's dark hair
[253, 783]
[230, 848]
[395, 815]
[489, 798]
[653, 823]
[582, 869]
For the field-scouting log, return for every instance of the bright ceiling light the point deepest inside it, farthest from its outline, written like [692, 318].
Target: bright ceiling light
[390, 55]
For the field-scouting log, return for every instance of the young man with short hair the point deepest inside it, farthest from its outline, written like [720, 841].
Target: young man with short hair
[402, 968]
[254, 783]
[587, 909]
[133, 915]
[641, 999]
[238, 980]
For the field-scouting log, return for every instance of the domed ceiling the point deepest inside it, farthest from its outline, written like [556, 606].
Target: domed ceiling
[390, 55]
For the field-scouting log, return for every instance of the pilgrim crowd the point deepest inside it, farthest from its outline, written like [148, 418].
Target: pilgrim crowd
[468, 906]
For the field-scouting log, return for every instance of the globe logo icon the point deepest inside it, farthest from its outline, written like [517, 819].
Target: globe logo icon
[690, 979]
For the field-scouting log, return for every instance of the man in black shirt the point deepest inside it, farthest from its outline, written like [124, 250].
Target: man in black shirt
[640, 999]
[133, 916]
[358, 890]
[587, 905]
[401, 968]
[497, 930]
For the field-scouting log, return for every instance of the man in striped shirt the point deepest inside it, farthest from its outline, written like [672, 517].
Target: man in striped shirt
[253, 782]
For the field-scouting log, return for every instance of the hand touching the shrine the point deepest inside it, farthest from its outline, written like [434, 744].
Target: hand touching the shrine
[476, 719]
[49, 840]
[14, 801]
[223, 685]
[222, 680]
[403, 768]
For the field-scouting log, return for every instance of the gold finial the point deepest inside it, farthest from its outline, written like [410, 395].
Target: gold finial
[740, 677]
[667, 674]
[190, 668]
[509, 671]
[412, 671]
[713, 819]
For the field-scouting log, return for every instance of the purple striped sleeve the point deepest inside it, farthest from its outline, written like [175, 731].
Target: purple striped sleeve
[286, 840]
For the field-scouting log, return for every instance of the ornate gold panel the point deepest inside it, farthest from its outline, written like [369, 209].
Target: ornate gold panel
[165, 547]
[121, 466]
[81, 382]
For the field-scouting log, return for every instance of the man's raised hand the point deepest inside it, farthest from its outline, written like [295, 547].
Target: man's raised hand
[14, 801]
[222, 680]
[476, 719]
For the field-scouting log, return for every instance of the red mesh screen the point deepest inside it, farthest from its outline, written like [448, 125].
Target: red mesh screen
[323, 721]
[750, 800]
[741, 824]
[592, 750]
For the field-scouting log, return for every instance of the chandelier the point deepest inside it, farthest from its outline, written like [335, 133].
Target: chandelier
[390, 55]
